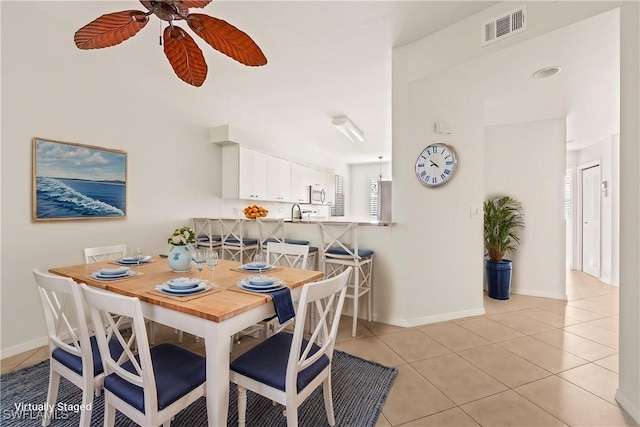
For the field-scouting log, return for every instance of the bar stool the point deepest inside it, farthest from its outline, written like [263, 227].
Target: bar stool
[339, 251]
[234, 243]
[274, 232]
[207, 232]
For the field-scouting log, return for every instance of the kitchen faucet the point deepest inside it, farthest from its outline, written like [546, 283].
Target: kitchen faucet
[299, 212]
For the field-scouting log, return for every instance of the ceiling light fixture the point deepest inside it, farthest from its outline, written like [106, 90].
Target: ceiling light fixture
[346, 126]
[545, 72]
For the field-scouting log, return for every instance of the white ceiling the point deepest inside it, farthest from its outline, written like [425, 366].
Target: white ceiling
[331, 58]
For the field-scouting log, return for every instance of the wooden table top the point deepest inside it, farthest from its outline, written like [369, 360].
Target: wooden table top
[226, 300]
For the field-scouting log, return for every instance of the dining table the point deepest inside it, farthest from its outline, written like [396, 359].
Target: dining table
[214, 315]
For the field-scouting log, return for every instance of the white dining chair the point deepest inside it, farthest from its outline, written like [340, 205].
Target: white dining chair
[73, 351]
[104, 253]
[286, 368]
[288, 255]
[114, 252]
[149, 386]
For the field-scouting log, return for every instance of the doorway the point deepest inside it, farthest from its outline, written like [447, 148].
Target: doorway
[590, 191]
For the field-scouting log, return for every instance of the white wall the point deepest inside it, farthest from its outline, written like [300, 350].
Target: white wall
[360, 176]
[628, 394]
[527, 161]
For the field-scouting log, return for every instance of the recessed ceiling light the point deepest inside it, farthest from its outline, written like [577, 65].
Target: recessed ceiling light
[545, 72]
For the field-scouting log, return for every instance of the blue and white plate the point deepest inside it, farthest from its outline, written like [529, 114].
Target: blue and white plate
[182, 283]
[252, 266]
[134, 260]
[164, 288]
[97, 275]
[261, 281]
[244, 284]
[118, 271]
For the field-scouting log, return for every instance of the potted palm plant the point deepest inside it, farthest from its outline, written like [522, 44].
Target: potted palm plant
[503, 219]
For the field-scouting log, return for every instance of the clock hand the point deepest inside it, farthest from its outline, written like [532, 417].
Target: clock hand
[433, 164]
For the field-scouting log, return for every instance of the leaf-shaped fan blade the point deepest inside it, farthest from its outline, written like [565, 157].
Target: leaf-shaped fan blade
[110, 29]
[227, 39]
[185, 56]
[195, 3]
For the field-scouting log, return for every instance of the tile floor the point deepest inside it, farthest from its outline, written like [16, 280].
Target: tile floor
[528, 361]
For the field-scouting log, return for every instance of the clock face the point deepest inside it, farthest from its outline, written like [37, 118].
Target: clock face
[436, 165]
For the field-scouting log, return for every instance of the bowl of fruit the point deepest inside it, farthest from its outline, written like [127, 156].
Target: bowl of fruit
[253, 212]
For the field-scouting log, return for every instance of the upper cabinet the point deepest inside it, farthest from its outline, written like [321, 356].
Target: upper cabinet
[278, 179]
[244, 173]
[300, 182]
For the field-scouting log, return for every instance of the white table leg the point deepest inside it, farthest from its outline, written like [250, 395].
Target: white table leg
[217, 349]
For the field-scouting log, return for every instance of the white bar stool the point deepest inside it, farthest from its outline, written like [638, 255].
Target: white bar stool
[339, 251]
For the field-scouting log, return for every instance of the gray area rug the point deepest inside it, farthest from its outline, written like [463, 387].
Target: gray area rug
[360, 388]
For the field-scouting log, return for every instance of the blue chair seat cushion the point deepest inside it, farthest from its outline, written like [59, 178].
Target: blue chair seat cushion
[177, 371]
[267, 362]
[204, 238]
[272, 240]
[296, 242]
[313, 249]
[245, 241]
[337, 250]
[74, 362]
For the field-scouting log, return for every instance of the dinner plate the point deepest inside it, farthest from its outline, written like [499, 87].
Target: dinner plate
[252, 267]
[166, 289]
[181, 283]
[97, 275]
[244, 284]
[133, 261]
[119, 271]
[261, 280]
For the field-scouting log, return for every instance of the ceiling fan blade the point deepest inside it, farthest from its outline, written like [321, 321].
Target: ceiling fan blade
[110, 29]
[227, 39]
[195, 3]
[185, 56]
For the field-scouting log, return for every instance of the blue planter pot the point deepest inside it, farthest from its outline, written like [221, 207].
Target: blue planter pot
[498, 278]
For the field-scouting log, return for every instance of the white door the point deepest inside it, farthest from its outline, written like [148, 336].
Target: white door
[591, 221]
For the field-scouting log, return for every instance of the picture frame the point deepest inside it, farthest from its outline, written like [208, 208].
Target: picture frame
[76, 181]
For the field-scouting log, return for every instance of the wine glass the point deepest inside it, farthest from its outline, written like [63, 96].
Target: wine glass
[200, 257]
[211, 260]
[260, 261]
[136, 253]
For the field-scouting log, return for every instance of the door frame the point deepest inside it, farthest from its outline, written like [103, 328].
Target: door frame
[578, 224]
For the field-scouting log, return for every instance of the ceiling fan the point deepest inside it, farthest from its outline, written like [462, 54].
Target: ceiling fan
[183, 53]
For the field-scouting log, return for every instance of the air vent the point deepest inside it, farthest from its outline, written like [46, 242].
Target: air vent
[504, 26]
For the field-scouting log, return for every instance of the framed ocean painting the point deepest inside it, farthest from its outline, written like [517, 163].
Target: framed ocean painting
[77, 181]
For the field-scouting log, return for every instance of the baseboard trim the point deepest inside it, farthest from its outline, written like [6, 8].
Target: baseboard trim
[22, 347]
[418, 321]
[628, 406]
[535, 293]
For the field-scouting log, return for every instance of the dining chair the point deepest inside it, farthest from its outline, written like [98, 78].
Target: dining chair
[236, 246]
[340, 250]
[286, 368]
[113, 252]
[73, 352]
[102, 253]
[149, 386]
[288, 255]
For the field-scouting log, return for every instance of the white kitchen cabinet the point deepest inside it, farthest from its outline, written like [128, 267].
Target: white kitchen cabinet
[300, 182]
[278, 179]
[244, 173]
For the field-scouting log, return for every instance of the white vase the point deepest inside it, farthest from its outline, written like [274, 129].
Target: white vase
[179, 259]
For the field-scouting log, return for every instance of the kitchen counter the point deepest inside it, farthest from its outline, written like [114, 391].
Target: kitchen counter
[314, 221]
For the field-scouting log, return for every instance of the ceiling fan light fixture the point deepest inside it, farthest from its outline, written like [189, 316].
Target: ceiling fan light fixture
[545, 72]
[348, 129]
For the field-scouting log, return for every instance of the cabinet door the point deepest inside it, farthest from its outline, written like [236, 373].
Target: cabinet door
[299, 183]
[278, 179]
[252, 175]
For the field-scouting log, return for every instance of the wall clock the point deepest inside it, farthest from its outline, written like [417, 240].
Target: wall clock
[436, 164]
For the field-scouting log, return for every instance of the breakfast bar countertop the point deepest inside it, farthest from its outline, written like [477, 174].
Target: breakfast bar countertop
[316, 221]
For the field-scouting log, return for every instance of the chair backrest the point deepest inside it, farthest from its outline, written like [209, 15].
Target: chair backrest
[65, 316]
[109, 311]
[288, 255]
[102, 253]
[325, 299]
[271, 231]
[338, 236]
